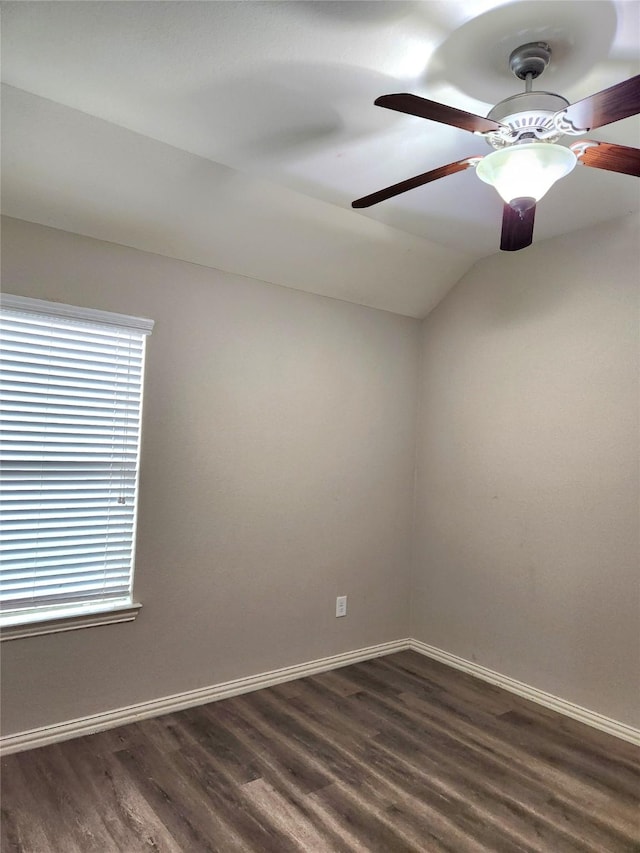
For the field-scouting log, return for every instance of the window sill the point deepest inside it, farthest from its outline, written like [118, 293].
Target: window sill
[71, 622]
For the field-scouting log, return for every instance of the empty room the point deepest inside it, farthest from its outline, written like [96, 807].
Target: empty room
[320, 426]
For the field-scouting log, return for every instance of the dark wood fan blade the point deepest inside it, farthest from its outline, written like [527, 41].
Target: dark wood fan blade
[606, 155]
[423, 108]
[517, 228]
[418, 181]
[617, 102]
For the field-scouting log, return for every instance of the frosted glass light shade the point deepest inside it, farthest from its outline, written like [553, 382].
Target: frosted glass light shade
[526, 171]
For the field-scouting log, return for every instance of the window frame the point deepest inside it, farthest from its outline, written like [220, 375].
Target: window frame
[54, 618]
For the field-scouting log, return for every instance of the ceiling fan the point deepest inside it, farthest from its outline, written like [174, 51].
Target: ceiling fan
[524, 131]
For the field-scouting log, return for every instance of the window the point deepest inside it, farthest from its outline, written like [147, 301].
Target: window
[71, 393]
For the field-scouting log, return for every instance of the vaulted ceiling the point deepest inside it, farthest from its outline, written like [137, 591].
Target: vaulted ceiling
[236, 134]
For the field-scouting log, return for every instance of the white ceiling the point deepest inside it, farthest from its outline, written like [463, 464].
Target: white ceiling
[278, 97]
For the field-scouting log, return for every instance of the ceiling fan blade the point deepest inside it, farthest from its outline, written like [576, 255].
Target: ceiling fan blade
[417, 181]
[612, 104]
[423, 108]
[606, 155]
[517, 228]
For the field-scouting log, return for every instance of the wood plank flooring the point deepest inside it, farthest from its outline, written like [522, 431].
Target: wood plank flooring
[395, 754]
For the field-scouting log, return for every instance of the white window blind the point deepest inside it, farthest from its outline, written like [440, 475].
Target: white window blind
[71, 394]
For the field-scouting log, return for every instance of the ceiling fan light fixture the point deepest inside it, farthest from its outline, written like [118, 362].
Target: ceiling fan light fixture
[526, 171]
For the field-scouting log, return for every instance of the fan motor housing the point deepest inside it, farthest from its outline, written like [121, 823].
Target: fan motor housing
[529, 115]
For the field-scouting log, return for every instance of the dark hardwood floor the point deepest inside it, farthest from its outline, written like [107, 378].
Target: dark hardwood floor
[394, 754]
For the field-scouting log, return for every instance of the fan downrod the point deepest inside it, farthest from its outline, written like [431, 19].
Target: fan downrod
[529, 60]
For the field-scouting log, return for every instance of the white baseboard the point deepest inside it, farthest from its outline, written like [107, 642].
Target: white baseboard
[562, 706]
[178, 702]
[189, 699]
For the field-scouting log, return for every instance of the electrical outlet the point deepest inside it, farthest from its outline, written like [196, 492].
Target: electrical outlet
[341, 605]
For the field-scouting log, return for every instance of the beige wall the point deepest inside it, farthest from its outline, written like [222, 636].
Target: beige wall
[277, 473]
[526, 548]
